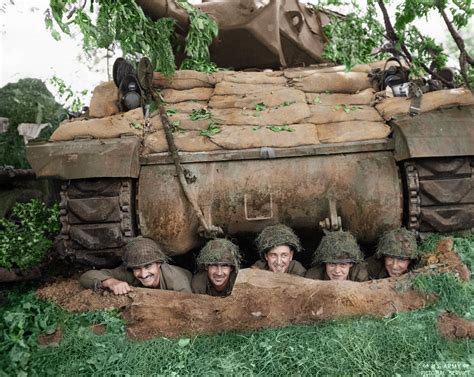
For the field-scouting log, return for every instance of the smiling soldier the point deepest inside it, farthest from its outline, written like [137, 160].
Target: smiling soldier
[338, 257]
[396, 253]
[276, 245]
[218, 264]
[144, 264]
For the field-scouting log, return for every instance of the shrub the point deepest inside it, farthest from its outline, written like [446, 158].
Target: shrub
[25, 238]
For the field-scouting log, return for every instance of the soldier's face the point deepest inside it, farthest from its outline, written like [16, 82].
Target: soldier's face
[219, 275]
[279, 258]
[396, 266]
[338, 271]
[148, 275]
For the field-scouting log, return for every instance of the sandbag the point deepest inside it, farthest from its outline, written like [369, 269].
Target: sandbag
[189, 141]
[330, 114]
[105, 128]
[339, 82]
[184, 79]
[195, 94]
[275, 78]
[291, 114]
[186, 107]
[243, 137]
[271, 99]
[364, 97]
[183, 121]
[104, 101]
[352, 131]
[226, 88]
[390, 107]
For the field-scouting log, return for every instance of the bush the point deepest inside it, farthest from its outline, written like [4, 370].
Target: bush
[26, 237]
[27, 101]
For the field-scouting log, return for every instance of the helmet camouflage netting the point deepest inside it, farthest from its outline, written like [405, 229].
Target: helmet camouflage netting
[141, 251]
[338, 247]
[399, 243]
[276, 235]
[219, 251]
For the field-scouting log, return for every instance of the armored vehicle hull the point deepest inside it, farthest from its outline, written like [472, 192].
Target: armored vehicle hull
[307, 148]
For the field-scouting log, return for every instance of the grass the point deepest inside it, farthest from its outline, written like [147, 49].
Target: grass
[402, 344]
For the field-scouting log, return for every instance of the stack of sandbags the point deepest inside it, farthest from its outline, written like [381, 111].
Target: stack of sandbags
[240, 110]
[400, 106]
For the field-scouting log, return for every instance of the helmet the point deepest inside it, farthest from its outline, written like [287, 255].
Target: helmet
[219, 251]
[399, 243]
[276, 235]
[338, 247]
[141, 251]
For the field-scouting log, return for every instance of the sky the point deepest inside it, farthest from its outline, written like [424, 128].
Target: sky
[28, 50]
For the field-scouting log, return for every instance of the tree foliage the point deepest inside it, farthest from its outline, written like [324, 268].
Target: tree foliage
[353, 38]
[27, 101]
[122, 23]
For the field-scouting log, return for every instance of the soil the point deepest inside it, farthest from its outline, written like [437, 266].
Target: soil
[71, 296]
[453, 327]
[51, 339]
[99, 329]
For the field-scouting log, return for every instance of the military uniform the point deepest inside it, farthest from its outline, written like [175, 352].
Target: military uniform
[295, 267]
[200, 284]
[172, 278]
[376, 268]
[358, 272]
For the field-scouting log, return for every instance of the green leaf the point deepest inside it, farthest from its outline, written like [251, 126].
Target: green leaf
[184, 342]
[211, 130]
[260, 106]
[317, 100]
[284, 128]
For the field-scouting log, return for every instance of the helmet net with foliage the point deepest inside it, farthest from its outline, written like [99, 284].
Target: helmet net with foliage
[141, 251]
[219, 251]
[276, 235]
[399, 243]
[338, 247]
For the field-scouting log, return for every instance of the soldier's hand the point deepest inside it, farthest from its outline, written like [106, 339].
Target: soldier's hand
[118, 287]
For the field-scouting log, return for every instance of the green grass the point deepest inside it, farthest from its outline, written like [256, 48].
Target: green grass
[366, 346]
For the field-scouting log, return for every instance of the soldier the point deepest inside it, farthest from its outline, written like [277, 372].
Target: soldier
[396, 253]
[144, 264]
[276, 245]
[218, 264]
[338, 257]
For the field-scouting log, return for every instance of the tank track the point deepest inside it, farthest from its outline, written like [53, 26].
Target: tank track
[97, 218]
[439, 194]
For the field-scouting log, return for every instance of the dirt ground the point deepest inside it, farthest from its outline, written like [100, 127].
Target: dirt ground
[71, 296]
[451, 326]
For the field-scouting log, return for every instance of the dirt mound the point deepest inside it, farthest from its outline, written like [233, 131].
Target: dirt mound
[260, 299]
[71, 296]
[452, 327]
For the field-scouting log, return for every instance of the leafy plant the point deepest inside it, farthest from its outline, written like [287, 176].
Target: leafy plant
[72, 101]
[211, 130]
[347, 108]
[317, 100]
[284, 128]
[198, 114]
[120, 22]
[26, 101]
[352, 37]
[260, 106]
[25, 238]
[171, 112]
[175, 127]
[202, 30]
